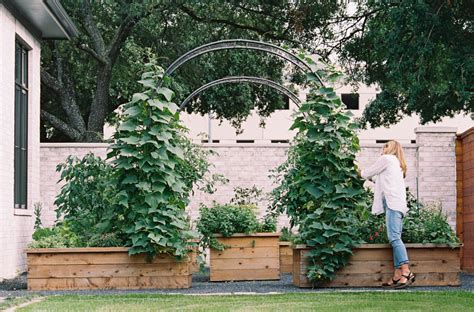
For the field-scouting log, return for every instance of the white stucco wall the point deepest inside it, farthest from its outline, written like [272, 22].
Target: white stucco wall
[16, 225]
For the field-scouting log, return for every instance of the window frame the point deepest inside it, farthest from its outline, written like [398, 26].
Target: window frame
[21, 108]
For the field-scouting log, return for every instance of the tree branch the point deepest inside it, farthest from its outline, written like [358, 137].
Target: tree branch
[260, 31]
[120, 36]
[61, 125]
[84, 47]
[51, 82]
[64, 87]
[91, 28]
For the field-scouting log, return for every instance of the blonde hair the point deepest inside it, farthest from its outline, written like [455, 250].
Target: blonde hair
[395, 148]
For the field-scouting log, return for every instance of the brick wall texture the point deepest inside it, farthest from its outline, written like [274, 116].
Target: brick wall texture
[248, 165]
[16, 226]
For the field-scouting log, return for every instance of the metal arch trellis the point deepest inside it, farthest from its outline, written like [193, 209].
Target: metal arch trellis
[239, 44]
[238, 79]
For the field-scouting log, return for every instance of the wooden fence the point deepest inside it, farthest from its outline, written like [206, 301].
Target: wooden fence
[465, 197]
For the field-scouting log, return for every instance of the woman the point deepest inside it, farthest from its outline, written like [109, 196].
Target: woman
[390, 195]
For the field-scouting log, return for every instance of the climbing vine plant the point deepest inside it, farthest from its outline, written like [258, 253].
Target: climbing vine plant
[318, 185]
[152, 172]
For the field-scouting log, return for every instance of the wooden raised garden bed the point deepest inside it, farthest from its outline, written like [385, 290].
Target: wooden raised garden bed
[246, 257]
[371, 264]
[111, 267]
[286, 257]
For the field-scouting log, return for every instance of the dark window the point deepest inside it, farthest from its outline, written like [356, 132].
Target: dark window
[351, 100]
[381, 141]
[245, 141]
[21, 125]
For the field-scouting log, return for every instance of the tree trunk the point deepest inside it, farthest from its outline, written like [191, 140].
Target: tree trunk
[96, 121]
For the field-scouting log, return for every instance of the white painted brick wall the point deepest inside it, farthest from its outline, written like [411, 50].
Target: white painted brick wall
[15, 230]
[243, 165]
[248, 165]
[437, 167]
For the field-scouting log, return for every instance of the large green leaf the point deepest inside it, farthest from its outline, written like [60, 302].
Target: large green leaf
[167, 93]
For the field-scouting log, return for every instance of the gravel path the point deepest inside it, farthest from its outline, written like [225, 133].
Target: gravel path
[201, 285]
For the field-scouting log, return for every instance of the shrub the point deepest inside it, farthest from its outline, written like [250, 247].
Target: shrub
[268, 224]
[86, 198]
[106, 240]
[422, 224]
[58, 236]
[228, 220]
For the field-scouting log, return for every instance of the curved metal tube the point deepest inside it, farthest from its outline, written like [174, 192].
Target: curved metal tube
[238, 79]
[241, 44]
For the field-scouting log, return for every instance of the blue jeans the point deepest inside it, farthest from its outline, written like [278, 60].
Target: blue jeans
[394, 221]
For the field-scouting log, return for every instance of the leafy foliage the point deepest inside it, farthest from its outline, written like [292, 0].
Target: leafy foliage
[138, 199]
[87, 196]
[153, 180]
[38, 208]
[59, 236]
[318, 186]
[196, 166]
[287, 235]
[247, 196]
[268, 224]
[417, 51]
[230, 219]
[106, 240]
[420, 54]
[422, 224]
[428, 224]
[240, 216]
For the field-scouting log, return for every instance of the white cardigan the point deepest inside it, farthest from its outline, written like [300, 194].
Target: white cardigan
[389, 183]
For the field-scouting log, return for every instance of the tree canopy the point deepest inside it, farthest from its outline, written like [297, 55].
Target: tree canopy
[419, 52]
[89, 77]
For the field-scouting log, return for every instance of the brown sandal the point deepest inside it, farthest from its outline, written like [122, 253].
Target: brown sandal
[410, 280]
[392, 284]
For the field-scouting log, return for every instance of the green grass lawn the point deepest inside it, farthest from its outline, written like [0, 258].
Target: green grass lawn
[364, 301]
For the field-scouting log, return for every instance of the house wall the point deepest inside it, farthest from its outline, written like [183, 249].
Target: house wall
[250, 164]
[16, 225]
[278, 123]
